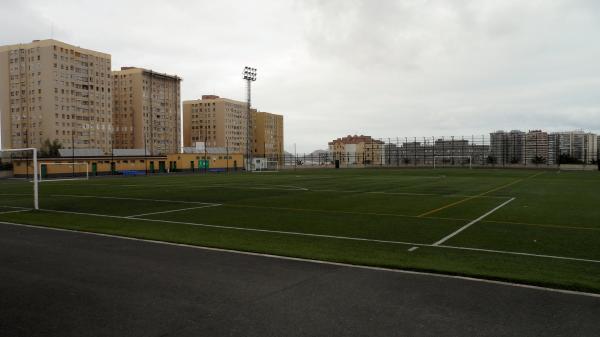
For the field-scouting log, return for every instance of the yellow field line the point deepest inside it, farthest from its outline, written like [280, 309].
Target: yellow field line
[478, 195]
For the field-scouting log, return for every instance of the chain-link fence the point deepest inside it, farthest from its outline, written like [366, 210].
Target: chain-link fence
[535, 149]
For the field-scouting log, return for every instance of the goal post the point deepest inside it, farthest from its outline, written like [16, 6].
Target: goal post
[272, 165]
[78, 170]
[461, 158]
[35, 181]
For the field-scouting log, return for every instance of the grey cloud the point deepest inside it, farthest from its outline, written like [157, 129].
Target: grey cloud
[384, 68]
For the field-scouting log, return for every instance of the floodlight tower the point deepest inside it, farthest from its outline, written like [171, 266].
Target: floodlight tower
[249, 76]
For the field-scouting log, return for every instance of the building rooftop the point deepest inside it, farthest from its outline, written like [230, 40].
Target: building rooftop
[147, 71]
[52, 42]
[355, 140]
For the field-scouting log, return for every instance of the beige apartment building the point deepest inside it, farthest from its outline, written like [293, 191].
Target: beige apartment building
[215, 121]
[267, 135]
[52, 90]
[537, 147]
[357, 150]
[146, 111]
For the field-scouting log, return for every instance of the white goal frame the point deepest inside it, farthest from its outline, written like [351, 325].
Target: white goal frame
[458, 157]
[268, 168]
[87, 170]
[36, 203]
[275, 167]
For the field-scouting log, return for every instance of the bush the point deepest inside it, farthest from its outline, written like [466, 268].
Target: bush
[567, 159]
[538, 160]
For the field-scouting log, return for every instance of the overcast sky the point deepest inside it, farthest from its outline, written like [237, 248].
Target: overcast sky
[338, 67]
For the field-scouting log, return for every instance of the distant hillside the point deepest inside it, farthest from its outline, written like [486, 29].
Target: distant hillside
[318, 152]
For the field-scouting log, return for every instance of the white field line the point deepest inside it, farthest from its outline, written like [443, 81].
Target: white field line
[62, 179]
[329, 236]
[258, 187]
[17, 211]
[289, 258]
[136, 199]
[16, 207]
[173, 210]
[235, 228]
[449, 236]
[298, 188]
[407, 193]
[518, 253]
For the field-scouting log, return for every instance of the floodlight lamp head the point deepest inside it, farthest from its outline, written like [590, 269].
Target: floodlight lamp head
[249, 73]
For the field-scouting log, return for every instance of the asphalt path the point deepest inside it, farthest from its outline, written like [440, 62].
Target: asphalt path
[60, 283]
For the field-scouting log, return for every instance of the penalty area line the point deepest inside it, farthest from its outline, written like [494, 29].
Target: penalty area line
[449, 236]
[135, 199]
[326, 236]
[17, 211]
[173, 210]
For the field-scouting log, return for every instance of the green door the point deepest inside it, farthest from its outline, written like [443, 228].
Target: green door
[94, 169]
[44, 171]
[174, 166]
[161, 167]
[113, 167]
[203, 163]
[151, 167]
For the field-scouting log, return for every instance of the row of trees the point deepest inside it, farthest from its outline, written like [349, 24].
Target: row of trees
[50, 149]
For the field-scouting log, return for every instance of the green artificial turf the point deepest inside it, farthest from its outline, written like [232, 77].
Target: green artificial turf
[358, 216]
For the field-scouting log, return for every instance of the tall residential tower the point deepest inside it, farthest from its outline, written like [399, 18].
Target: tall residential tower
[50, 90]
[147, 111]
[215, 121]
[267, 129]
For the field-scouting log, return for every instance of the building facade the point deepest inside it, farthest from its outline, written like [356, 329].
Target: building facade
[578, 146]
[357, 150]
[443, 151]
[537, 148]
[50, 90]
[217, 122]
[147, 112]
[267, 135]
[507, 147]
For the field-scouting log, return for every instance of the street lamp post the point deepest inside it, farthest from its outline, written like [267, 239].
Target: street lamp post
[249, 75]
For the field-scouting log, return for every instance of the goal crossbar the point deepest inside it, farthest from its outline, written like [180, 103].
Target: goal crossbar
[453, 157]
[36, 204]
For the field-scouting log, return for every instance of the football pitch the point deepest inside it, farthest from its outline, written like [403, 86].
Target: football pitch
[529, 226]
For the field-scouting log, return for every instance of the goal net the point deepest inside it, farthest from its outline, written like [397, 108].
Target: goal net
[18, 180]
[272, 165]
[266, 166]
[59, 171]
[452, 161]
